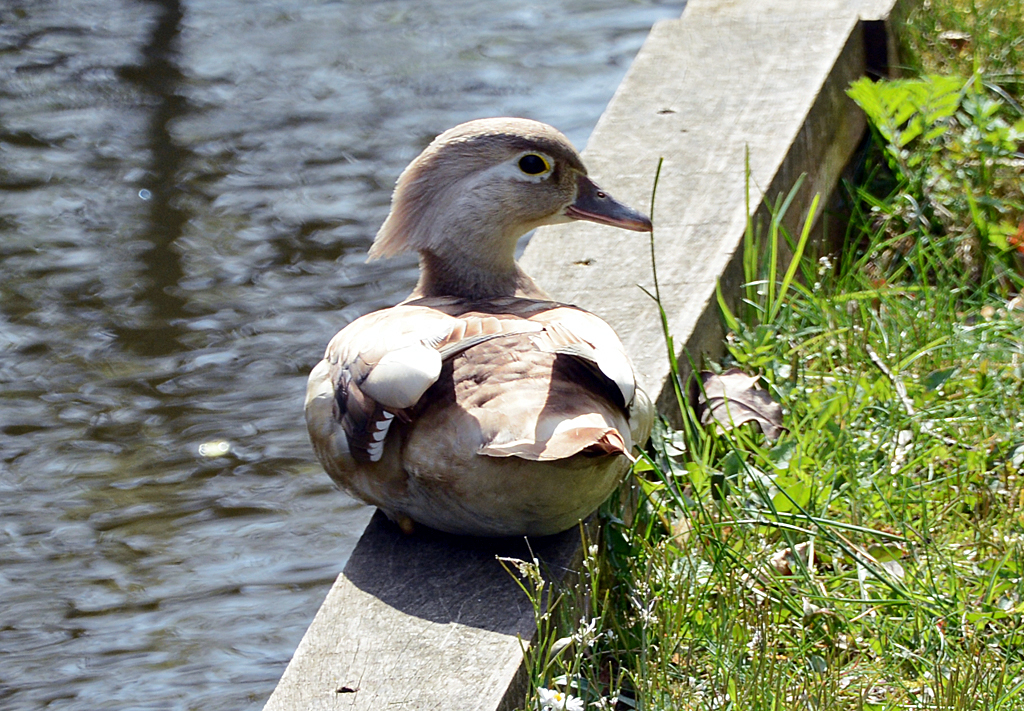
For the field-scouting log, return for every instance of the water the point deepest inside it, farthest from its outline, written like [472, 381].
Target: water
[187, 192]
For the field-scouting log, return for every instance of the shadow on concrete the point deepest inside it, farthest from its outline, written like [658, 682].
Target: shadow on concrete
[445, 578]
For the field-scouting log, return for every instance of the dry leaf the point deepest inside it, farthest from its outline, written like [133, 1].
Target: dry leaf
[735, 398]
[784, 561]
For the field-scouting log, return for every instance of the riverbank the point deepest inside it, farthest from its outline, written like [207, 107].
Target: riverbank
[870, 556]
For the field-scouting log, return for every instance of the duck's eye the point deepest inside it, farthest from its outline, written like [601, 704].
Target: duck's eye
[533, 164]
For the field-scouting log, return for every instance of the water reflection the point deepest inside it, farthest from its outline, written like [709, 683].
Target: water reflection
[158, 76]
[187, 191]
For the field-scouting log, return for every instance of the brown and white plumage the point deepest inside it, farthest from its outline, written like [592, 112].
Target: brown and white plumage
[479, 405]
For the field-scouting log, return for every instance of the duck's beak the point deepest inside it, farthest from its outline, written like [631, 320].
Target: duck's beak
[596, 205]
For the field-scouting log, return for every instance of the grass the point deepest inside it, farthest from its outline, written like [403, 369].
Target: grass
[961, 37]
[872, 557]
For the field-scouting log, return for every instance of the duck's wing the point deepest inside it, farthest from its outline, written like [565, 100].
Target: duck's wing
[580, 334]
[381, 364]
[567, 329]
[591, 340]
[585, 400]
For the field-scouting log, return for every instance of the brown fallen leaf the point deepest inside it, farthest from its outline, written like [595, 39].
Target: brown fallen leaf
[735, 398]
[784, 562]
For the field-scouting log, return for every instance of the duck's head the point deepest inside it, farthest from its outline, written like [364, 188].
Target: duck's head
[465, 201]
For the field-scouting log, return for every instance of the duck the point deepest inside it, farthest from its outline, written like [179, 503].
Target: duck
[480, 405]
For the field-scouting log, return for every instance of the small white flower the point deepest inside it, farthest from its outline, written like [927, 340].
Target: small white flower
[586, 635]
[552, 700]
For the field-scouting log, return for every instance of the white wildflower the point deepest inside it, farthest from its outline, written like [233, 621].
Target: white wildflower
[530, 572]
[552, 700]
[587, 634]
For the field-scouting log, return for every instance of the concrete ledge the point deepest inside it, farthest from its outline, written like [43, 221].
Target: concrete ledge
[422, 622]
[728, 77]
[427, 621]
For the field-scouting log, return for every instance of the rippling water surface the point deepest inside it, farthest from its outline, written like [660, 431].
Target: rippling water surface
[187, 192]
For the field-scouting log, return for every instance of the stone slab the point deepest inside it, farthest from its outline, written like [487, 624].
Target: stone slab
[427, 621]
